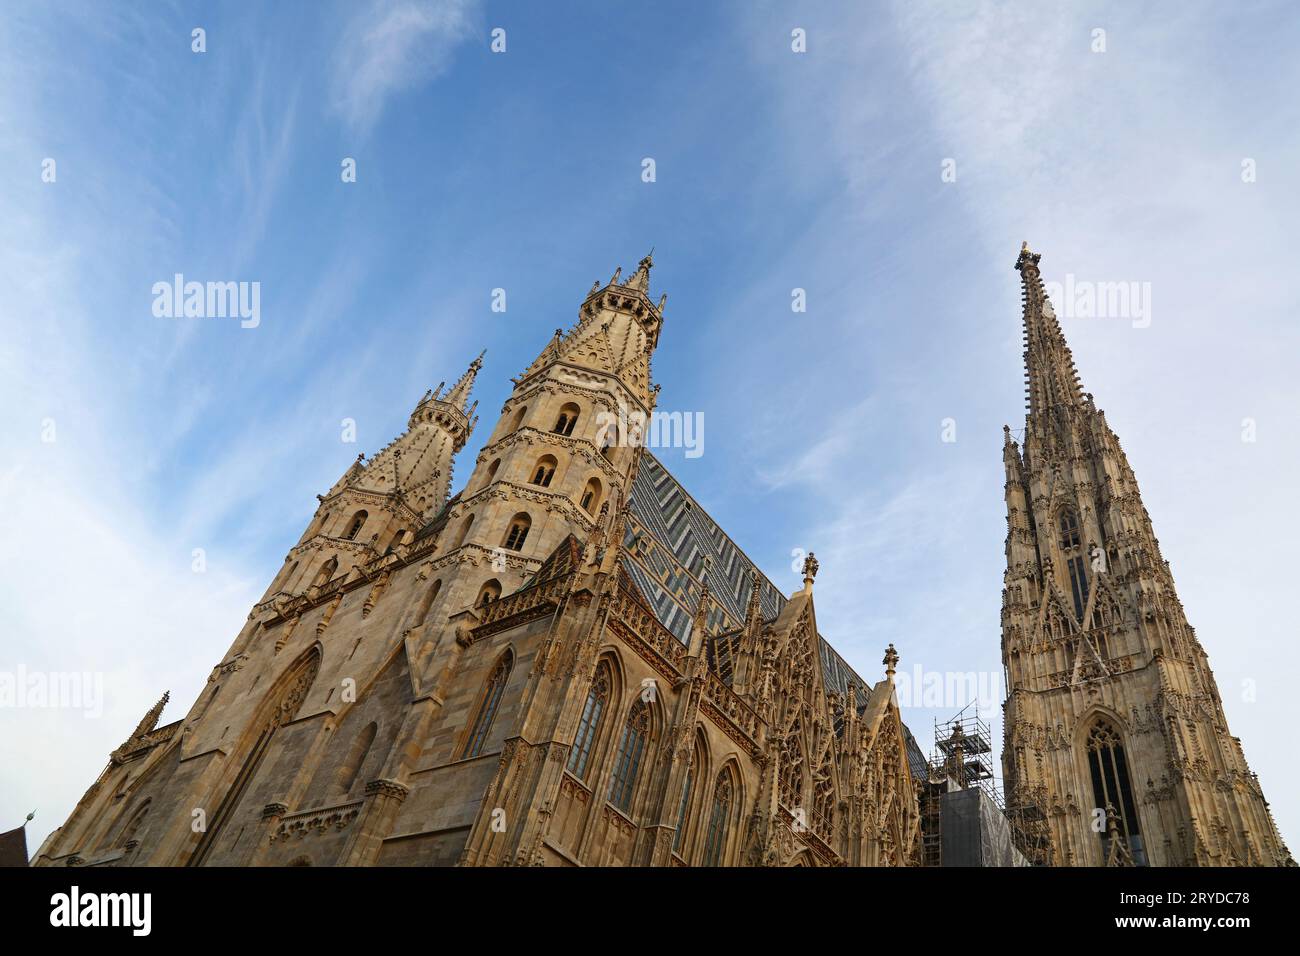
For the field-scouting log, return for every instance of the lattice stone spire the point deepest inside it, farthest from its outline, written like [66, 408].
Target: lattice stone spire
[1051, 379]
[1102, 667]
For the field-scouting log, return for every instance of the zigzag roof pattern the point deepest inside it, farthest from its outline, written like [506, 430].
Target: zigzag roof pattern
[674, 545]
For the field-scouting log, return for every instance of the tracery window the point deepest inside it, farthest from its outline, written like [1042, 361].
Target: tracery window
[1112, 792]
[684, 809]
[487, 709]
[1069, 530]
[627, 762]
[716, 842]
[589, 723]
[1069, 541]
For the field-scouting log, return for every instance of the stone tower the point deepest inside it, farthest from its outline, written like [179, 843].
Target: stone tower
[557, 455]
[1117, 750]
[378, 505]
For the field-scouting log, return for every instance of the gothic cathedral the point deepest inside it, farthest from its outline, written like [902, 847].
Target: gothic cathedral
[1117, 751]
[567, 662]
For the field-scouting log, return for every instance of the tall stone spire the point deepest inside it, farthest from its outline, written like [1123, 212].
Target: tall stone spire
[1051, 380]
[1111, 706]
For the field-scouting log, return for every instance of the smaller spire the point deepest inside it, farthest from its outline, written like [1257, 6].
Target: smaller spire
[699, 626]
[641, 278]
[459, 394]
[146, 725]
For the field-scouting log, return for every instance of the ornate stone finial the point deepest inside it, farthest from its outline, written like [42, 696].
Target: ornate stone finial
[810, 566]
[1026, 256]
[890, 662]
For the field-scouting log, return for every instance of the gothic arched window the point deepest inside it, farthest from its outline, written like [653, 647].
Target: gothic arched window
[591, 496]
[489, 592]
[696, 768]
[589, 723]
[487, 709]
[715, 843]
[564, 425]
[627, 762]
[518, 532]
[1113, 794]
[464, 530]
[1069, 540]
[355, 525]
[1069, 529]
[396, 542]
[430, 596]
[326, 572]
[544, 471]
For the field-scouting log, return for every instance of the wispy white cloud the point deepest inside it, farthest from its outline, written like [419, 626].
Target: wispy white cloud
[395, 45]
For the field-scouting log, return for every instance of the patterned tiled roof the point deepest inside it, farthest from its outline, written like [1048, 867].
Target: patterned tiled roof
[674, 544]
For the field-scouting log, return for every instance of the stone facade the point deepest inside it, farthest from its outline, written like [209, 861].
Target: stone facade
[1117, 749]
[566, 663]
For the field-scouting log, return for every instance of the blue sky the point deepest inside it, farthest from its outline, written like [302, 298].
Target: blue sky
[522, 171]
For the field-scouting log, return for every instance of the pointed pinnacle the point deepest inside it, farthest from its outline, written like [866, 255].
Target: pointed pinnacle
[459, 394]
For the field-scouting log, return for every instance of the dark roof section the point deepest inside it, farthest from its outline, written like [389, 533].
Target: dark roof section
[674, 544]
[565, 558]
[13, 847]
[916, 761]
